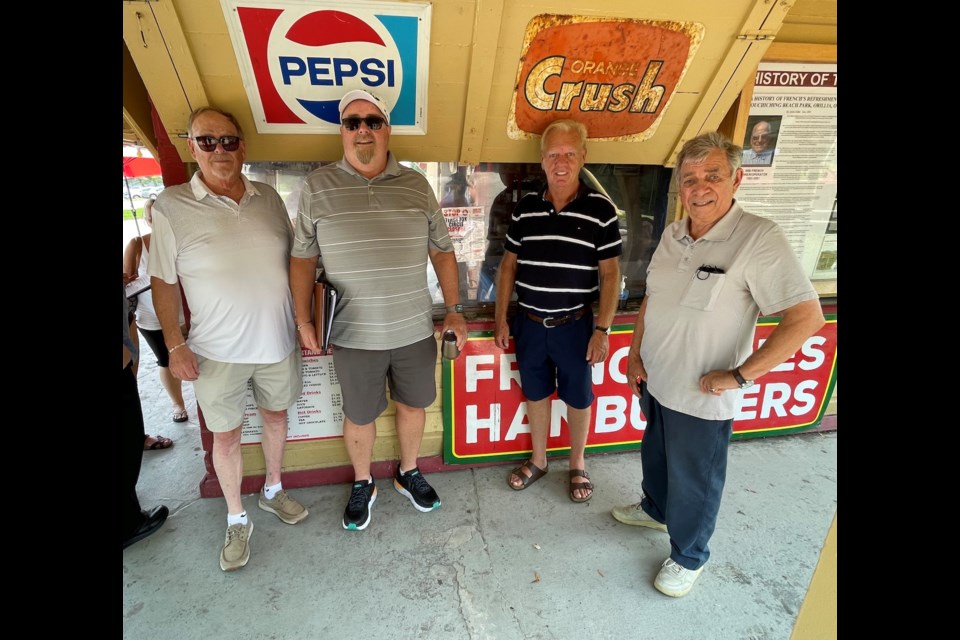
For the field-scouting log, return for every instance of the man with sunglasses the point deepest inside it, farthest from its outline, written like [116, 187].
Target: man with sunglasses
[227, 241]
[375, 223]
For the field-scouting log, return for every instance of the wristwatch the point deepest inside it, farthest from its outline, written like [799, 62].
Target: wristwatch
[457, 308]
[743, 382]
[605, 330]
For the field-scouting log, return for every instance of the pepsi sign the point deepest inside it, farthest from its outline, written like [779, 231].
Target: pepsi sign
[299, 57]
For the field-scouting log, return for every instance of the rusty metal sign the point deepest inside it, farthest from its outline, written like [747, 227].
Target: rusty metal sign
[615, 75]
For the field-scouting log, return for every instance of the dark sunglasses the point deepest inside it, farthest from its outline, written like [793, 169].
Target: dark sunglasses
[209, 143]
[374, 123]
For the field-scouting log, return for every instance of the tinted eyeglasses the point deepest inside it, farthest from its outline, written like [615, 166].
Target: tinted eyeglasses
[209, 143]
[374, 123]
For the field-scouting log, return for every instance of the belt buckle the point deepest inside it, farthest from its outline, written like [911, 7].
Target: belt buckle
[548, 322]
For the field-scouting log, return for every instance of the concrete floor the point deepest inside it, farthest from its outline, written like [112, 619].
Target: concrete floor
[490, 564]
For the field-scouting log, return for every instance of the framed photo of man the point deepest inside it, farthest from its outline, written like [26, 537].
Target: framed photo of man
[760, 142]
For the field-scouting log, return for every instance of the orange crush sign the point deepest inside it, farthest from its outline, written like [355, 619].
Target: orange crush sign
[485, 419]
[615, 75]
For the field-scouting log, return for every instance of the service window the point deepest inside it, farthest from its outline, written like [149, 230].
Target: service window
[478, 201]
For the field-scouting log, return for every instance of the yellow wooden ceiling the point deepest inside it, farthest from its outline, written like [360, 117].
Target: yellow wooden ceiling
[180, 54]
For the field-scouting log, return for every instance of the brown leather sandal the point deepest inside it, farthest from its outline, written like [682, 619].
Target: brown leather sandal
[535, 474]
[580, 485]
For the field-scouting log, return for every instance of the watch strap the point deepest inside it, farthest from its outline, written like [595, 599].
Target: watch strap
[739, 378]
[457, 308]
[605, 330]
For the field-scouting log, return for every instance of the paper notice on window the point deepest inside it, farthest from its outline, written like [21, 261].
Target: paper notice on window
[318, 412]
[790, 159]
[467, 228]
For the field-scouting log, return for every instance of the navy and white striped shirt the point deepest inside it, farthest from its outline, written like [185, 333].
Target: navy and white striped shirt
[558, 252]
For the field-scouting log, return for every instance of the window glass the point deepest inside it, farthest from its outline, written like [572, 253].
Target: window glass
[478, 201]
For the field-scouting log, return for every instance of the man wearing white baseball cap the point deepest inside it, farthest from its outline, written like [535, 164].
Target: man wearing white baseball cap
[375, 223]
[360, 94]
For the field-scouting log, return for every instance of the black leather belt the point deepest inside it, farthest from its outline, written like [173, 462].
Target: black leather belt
[556, 321]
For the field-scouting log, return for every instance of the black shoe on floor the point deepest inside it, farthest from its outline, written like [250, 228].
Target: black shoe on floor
[417, 489]
[356, 516]
[152, 521]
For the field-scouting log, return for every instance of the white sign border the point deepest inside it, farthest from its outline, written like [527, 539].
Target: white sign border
[421, 10]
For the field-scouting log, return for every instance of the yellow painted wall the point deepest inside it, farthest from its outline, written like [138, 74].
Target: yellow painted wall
[817, 619]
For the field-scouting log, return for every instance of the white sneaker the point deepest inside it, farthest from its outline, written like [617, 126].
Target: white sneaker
[675, 581]
[634, 514]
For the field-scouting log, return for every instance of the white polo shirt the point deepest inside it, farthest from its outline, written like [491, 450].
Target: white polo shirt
[234, 263]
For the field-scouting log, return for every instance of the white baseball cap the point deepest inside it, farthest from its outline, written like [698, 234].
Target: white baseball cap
[360, 94]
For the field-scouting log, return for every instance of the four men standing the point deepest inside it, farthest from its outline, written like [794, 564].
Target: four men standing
[248, 279]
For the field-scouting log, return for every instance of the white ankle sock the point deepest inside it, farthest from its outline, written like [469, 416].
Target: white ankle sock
[271, 492]
[237, 519]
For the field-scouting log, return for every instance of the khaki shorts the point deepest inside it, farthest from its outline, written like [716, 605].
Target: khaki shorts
[409, 370]
[221, 388]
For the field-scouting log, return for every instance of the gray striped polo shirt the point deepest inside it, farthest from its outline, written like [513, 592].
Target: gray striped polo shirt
[373, 237]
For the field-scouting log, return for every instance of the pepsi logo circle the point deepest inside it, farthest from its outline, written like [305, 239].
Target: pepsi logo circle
[315, 57]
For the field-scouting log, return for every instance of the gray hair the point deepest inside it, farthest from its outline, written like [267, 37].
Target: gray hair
[226, 114]
[148, 209]
[564, 126]
[698, 148]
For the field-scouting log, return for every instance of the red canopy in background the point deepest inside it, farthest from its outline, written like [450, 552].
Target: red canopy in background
[139, 167]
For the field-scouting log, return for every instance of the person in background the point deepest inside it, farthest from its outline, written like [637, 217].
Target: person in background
[562, 253]
[227, 240]
[150, 443]
[137, 524]
[135, 265]
[375, 224]
[760, 152]
[712, 274]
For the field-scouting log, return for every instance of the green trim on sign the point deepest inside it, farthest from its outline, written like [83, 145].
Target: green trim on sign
[448, 403]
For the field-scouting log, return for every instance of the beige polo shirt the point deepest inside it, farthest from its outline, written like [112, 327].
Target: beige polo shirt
[698, 321]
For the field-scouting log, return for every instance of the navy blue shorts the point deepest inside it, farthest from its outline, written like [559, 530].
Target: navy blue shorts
[554, 358]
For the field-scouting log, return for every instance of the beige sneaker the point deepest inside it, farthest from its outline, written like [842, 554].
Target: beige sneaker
[236, 546]
[634, 514]
[284, 507]
[675, 581]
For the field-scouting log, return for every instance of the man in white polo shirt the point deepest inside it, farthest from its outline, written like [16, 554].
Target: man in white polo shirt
[375, 223]
[712, 274]
[227, 240]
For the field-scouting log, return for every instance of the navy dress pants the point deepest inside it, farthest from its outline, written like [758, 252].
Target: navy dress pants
[684, 461]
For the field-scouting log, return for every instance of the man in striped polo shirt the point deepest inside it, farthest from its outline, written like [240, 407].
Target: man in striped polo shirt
[375, 223]
[562, 252]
